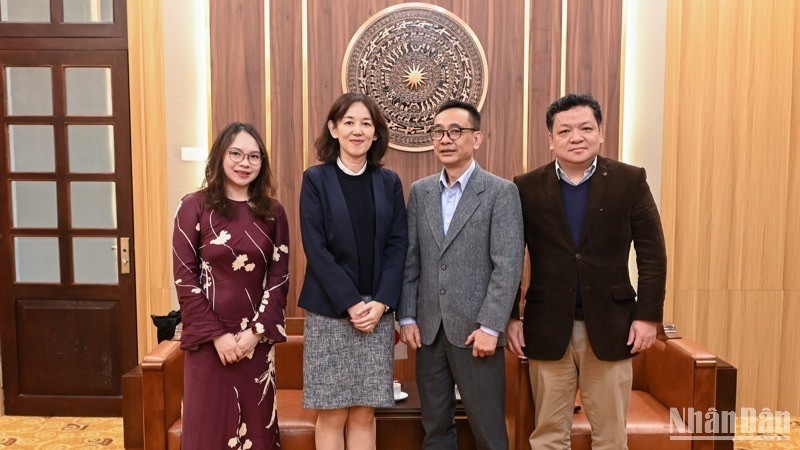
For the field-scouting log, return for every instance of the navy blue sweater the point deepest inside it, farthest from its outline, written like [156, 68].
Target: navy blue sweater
[576, 201]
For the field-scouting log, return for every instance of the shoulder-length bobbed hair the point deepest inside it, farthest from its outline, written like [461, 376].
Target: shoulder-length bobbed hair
[261, 190]
[328, 147]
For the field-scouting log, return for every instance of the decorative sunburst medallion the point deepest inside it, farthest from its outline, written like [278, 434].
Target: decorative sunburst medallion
[415, 77]
[410, 58]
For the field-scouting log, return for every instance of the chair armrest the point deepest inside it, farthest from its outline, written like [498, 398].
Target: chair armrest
[682, 374]
[519, 402]
[162, 391]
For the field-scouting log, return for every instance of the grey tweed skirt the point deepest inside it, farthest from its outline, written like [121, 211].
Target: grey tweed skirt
[343, 367]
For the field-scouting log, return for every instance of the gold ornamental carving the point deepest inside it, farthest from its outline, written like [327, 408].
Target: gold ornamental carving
[410, 58]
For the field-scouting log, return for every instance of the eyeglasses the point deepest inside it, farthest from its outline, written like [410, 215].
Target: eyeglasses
[453, 133]
[253, 158]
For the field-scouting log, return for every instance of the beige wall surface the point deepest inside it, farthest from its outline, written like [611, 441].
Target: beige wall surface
[730, 195]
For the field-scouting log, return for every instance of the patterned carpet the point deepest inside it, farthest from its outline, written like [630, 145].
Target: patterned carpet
[67, 433]
[60, 433]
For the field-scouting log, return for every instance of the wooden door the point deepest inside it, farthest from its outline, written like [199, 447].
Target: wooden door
[67, 300]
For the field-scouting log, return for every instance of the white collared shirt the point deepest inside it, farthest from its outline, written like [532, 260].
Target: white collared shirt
[348, 171]
[451, 195]
[586, 174]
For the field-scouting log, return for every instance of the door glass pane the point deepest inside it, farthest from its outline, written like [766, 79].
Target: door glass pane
[36, 259]
[32, 148]
[88, 11]
[30, 91]
[88, 91]
[25, 11]
[34, 204]
[94, 260]
[91, 148]
[93, 204]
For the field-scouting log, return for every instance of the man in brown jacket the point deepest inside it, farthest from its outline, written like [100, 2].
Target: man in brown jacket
[582, 319]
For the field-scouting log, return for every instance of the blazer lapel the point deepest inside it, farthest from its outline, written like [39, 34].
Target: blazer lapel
[466, 206]
[597, 191]
[341, 215]
[433, 210]
[553, 195]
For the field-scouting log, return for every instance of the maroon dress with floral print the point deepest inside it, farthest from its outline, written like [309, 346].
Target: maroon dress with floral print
[231, 274]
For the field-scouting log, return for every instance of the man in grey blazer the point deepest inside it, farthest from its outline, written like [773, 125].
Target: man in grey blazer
[462, 271]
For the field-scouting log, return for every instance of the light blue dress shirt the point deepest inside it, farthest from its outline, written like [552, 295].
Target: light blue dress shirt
[452, 195]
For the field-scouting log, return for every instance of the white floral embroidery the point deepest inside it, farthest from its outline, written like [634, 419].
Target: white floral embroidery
[233, 442]
[197, 227]
[178, 281]
[222, 238]
[248, 444]
[196, 290]
[243, 325]
[259, 328]
[276, 255]
[249, 267]
[239, 262]
[281, 329]
[243, 429]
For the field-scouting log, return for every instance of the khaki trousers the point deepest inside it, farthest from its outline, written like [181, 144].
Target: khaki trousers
[605, 388]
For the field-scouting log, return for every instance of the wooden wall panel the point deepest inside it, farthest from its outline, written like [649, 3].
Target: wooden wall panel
[286, 123]
[545, 76]
[731, 202]
[594, 39]
[237, 63]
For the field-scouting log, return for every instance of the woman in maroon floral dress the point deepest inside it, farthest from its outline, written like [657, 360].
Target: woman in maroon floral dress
[231, 264]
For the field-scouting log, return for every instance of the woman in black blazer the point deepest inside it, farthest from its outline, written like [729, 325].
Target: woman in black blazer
[354, 230]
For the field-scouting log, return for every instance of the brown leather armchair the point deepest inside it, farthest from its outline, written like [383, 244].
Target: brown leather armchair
[674, 373]
[162, 389]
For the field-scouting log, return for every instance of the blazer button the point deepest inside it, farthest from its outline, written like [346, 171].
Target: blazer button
[442, 291]
[444, 266]
[577, 256]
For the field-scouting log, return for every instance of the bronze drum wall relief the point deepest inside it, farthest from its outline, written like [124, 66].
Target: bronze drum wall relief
[410, 58]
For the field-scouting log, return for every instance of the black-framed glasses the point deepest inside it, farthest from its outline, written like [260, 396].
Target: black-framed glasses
[453, 133]
[253, 158]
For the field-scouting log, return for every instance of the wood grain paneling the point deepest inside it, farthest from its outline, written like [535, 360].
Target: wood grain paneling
[237, 64]
[730, 198]
[594, 39]
[545, 69]
[151, 221]
[286, 120]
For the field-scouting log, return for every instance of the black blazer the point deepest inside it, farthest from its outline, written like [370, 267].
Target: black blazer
[329, 287]
[621, 210]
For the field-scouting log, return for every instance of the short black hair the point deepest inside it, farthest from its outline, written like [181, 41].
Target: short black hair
[474, 115]
[570, 101]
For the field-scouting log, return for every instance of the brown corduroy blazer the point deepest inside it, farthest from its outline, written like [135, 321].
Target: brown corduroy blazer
[621, 210]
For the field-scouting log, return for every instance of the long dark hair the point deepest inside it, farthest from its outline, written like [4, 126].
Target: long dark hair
[328, 147]
[261, 190]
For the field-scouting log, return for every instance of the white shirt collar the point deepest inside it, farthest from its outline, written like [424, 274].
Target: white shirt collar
[586, 173]
[347, 171]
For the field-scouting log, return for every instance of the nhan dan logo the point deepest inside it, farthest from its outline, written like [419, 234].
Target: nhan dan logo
[688, 424]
